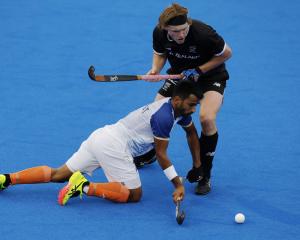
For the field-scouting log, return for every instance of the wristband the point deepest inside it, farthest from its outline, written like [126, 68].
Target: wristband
[170, 172]
[199, 71]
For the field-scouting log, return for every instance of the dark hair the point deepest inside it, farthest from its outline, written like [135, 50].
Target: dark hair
[185, 88]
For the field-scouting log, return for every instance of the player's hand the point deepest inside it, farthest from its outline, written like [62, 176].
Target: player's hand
[195, 174]
[178, 193]
[191, 74]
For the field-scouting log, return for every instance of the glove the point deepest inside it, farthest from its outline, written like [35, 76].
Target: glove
[195, 174]
[192, 74]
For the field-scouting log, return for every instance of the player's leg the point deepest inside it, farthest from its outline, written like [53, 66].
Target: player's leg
[45, 174]
[61, 174]
[39, 174]
[210, 105]
[113, 191]
[81, 160]
[124, 183]
[119, 189]
[213, 87]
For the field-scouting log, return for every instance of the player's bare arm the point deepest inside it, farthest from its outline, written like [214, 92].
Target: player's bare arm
[158, 63]
[193, 142]
[161, 146]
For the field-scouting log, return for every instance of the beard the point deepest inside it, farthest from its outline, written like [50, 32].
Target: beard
[184, 113]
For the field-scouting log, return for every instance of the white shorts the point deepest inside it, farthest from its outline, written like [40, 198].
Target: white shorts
[106, 148]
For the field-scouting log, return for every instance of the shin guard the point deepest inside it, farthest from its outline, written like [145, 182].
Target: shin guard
[208, 146]
[41, 174]
[113, 191]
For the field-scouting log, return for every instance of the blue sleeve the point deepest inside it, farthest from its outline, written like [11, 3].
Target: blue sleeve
[162, 122]
[185, 121]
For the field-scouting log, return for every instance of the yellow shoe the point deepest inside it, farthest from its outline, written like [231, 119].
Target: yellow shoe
[73, 189]
[2, 182]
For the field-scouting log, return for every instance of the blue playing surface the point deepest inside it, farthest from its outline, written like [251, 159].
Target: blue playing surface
[48, 106]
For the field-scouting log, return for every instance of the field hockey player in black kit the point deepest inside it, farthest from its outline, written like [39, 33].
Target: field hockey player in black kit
[197, 51]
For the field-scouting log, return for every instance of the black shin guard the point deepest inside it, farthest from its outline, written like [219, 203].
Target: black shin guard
[208, 146]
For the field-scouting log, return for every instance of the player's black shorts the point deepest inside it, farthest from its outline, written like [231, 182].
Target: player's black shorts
[215, 82]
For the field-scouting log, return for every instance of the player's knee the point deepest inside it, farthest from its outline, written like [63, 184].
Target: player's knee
[135, 195]
[208, 123]
[207, 117]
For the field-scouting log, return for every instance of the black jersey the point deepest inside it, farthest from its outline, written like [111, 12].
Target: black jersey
[201, 44]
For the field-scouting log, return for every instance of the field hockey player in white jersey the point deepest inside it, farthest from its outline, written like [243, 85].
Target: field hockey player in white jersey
[113, 148]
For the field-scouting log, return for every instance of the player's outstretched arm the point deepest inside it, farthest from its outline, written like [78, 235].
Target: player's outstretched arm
[196, 172]
[161, 146]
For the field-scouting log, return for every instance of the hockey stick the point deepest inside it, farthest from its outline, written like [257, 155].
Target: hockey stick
[180, 215]
[117, 78]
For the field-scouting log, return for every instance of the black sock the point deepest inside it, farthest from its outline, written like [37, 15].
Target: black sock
[208, 146]
[7, 181]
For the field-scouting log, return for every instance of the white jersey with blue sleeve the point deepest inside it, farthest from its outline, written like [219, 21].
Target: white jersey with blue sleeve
[153, 120]
[113, 147]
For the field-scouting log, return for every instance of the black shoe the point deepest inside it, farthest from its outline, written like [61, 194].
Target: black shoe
[203, 187]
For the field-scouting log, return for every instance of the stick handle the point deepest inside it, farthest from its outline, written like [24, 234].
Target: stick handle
[160, 77]
[119, 78]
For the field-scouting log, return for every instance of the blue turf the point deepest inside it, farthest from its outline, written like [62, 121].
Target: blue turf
[48, 106]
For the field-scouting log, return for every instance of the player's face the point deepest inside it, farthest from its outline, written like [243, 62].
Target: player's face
[178, 33]
[187, 106]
